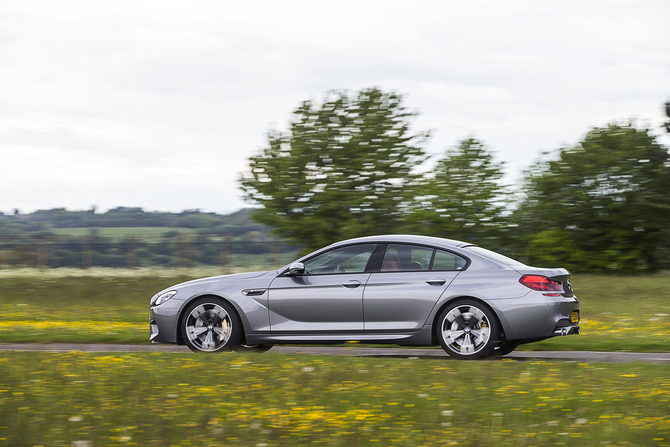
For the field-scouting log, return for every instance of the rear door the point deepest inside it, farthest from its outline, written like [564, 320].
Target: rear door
[412, 278]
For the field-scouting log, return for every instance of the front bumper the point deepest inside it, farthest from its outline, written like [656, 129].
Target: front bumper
[153, 330]
[164, 322]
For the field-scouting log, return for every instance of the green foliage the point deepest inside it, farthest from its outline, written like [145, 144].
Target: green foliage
[8, 229]
[343, 169]
[605, 201]
[61, 238]
[557, 248]
[176, 250]
[462, 198]
[60, 220]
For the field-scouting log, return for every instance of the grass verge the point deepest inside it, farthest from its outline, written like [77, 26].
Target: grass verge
[91, 399]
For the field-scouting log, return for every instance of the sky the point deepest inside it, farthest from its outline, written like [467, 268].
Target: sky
[160, 104]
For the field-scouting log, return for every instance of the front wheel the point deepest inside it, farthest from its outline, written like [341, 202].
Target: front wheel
[466, 329]
[211, 325]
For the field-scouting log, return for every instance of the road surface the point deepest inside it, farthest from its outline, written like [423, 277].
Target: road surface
[422, 353]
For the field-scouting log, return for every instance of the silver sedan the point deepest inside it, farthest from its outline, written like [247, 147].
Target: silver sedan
[398, 289]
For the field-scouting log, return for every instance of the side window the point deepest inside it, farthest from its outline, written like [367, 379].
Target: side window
[401, 257]
[350, 259]
[448, 261]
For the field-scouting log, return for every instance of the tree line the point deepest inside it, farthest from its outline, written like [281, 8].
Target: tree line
[350, 166]
[44, 222]
[187, 239]
[169, 252]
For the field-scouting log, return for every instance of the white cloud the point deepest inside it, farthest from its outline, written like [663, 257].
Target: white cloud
[159, 104]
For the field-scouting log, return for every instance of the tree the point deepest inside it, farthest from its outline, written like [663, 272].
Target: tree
[607, 198]
[463, 197]
[342, 170]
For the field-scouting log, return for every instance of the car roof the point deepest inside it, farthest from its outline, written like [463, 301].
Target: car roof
[390, 239]
[406, 239]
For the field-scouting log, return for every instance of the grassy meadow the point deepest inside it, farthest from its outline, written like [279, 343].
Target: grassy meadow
[163, 399]
[122, 232]
[168, 399]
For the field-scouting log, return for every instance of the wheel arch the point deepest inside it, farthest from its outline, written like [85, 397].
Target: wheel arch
[446, 304]
[180, 320]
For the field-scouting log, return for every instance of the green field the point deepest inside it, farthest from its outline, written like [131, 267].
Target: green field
[111, 305]
[121, 232]
[165, 399]
[619, 313]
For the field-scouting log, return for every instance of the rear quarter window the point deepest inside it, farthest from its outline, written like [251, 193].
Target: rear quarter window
[494, 256]
[448, 261]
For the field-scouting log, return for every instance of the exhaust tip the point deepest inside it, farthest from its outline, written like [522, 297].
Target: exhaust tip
[566, 330]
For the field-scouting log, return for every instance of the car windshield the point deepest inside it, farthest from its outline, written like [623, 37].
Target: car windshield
[494, 256]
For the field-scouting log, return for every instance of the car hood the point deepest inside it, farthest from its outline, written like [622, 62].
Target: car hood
[233, 277]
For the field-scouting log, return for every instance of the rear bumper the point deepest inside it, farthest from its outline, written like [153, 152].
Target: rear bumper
[537, 317]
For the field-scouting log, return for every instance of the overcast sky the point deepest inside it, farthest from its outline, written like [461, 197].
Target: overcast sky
[159, 104]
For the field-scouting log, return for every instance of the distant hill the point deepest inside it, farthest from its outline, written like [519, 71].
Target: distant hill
[131, 237]
[43, 221]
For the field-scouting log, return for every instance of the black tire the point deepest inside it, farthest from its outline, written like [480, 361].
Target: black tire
[467, 330]
[211, 325]
[256, 349]
[505, 349]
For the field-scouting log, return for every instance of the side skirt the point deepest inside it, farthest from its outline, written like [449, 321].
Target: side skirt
[422, 337]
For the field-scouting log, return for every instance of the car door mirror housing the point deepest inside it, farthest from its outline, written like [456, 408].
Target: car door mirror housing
[296, 269]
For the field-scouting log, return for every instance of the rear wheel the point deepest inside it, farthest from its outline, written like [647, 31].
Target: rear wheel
[466, 330]
[211, 325]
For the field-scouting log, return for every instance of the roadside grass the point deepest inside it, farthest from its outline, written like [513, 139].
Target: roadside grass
[89, 399]
[82, 306]
[619, 313]
[111, 306]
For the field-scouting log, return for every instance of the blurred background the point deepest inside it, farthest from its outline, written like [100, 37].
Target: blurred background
[533, 129]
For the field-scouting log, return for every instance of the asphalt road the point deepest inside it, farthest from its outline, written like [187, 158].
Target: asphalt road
[412, 353]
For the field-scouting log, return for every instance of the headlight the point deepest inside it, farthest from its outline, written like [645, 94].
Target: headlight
[163, 297]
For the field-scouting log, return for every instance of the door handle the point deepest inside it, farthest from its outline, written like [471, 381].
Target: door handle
[436, 282]
[351, 284]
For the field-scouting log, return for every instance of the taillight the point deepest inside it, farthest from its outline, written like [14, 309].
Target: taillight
[541, 283]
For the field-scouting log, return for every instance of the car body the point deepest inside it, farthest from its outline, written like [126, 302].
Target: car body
[395, 289]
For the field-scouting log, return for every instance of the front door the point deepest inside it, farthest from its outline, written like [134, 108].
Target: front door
[328, 298]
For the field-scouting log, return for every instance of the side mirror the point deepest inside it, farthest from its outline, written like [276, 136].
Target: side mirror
[296, 269]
